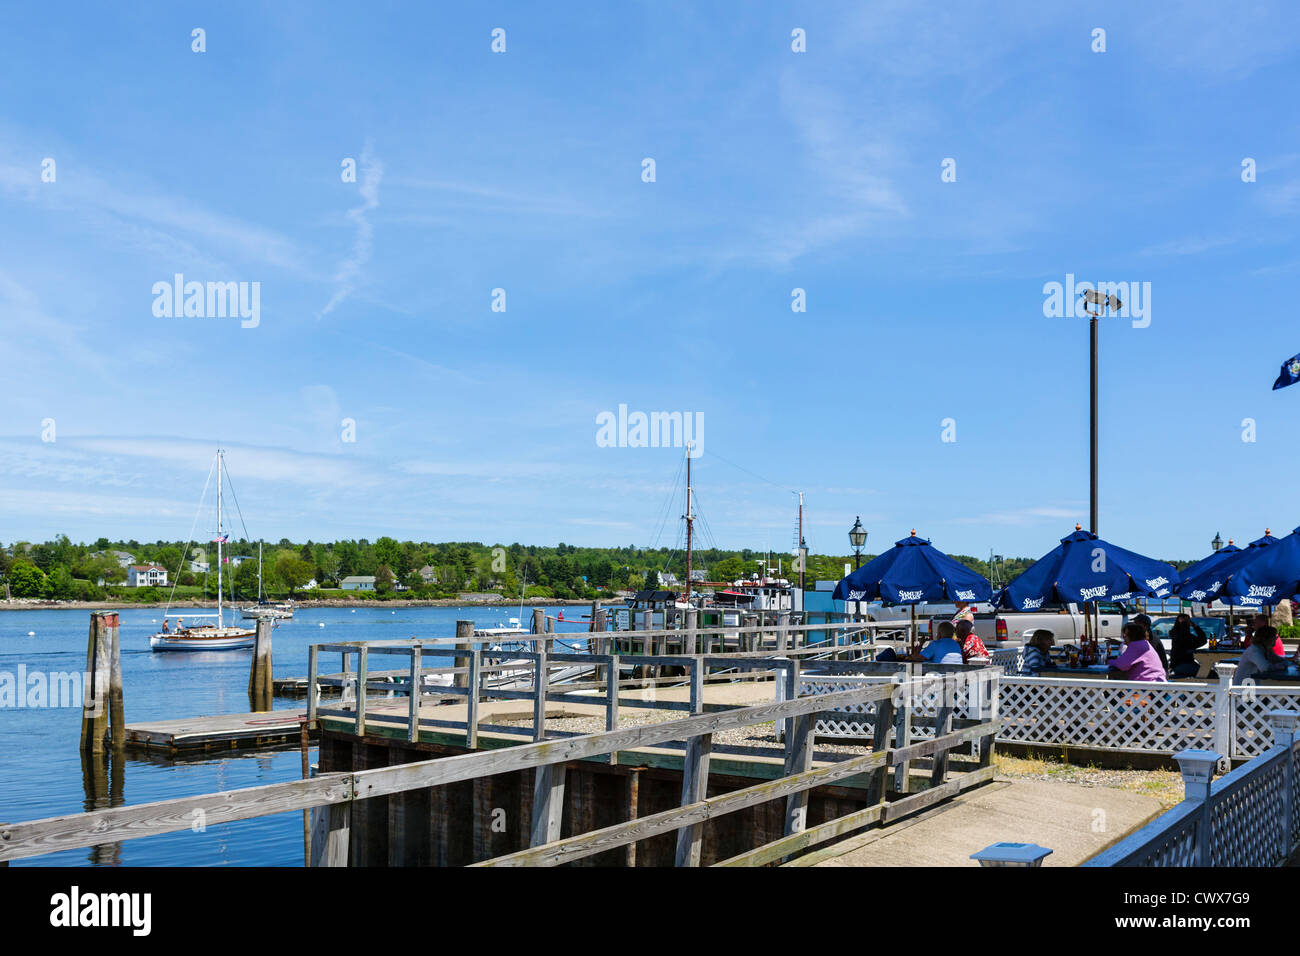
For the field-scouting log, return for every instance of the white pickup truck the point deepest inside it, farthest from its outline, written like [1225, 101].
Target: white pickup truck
[1066, 622]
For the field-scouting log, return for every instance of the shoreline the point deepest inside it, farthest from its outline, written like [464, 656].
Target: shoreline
[33, 604]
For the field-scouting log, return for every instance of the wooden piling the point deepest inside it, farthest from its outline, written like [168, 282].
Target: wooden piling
[259, 669]
[117, 719]
[464, 638]
[95, 711]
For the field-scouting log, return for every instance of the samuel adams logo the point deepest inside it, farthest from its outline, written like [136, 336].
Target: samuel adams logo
[1089, 593]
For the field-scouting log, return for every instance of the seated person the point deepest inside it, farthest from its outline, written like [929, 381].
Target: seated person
[1036, 656]
[1139, 661]
[944, 649]
[1258, 659]
[1184, 638]
[973, 650]
[887, 654]
[1154, 641]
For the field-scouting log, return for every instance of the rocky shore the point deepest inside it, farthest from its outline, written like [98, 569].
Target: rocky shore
[37, 604]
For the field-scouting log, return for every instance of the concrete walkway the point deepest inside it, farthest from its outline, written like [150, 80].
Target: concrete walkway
[1074, 821]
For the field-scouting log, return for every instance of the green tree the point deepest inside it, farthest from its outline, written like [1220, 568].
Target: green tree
[293, 571]
[61, 585]
[384, 579]
[26, 580]
[728, 569]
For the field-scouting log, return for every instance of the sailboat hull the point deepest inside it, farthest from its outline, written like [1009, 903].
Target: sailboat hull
[219, 639]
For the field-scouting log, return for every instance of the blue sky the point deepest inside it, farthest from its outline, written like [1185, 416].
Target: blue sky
[775, 170]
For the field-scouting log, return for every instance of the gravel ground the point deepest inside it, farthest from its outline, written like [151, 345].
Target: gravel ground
[1165, 785]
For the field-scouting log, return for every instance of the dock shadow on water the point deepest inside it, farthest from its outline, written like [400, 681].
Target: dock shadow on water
[103, 778]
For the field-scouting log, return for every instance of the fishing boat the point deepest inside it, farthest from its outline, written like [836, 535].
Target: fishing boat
[216, 636]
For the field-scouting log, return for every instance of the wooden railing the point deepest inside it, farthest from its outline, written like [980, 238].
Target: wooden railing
[1251, 817]
[332, 795]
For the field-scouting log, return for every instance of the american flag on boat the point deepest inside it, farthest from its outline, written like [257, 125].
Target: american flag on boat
[222, 539]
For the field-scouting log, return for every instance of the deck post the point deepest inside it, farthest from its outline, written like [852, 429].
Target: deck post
[1224, 704]
[94, 714]
[313, 691]
[691, 635]
[548, 804]
[599, 641]
[611, 700]
[117, 720]
[362, 654]
[695, 787]
[878, 789]
[903, 726]
[1197, 767]
[464, 639]
[782, 631]
[989, 710]
[471, 702]
[942, 726]
[259, 669]
[633, 798]
[540, 680]
[416, 685]
[330, 832]
[798, 759]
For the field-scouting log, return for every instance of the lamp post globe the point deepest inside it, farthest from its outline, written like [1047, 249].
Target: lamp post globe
[1217, 543]
[857, 538]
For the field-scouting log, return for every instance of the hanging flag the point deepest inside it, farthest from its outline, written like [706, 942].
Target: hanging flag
[1290, 373]
[221, 539]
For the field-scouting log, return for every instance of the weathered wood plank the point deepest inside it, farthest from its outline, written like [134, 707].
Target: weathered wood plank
[19, 840]
[695, 789]
[598, 841]
[426, 773]
[779, 849]
[548, 804]
[330, 834]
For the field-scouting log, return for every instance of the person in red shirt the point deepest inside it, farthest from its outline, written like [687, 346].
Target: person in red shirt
[973, 650]
[1261, 620]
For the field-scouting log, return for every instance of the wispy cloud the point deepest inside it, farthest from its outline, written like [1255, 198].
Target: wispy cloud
[348, 274]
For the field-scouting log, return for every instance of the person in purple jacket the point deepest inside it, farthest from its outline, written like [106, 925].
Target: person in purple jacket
[1139, 661]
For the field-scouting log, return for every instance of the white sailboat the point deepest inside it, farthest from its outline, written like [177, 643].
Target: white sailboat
[206, 637]
[264, 608]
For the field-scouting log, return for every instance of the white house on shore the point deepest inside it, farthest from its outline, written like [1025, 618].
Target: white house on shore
[145, 575]
[358, 582]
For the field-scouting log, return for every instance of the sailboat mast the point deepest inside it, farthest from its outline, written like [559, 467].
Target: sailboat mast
[690, 520]
[259, 572]
[220, 469]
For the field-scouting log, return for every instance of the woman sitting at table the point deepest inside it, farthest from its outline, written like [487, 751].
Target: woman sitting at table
[1037, 657]
[1139, 661]
[944, 649]
[1258, 659]
[973, 650]
[1184, 638]
[1155, 642]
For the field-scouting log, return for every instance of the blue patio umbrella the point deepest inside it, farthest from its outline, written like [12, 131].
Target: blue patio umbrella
[1085, 568]
[1206, 580]
[1213, 559]
[910, 572]
[1264, 573]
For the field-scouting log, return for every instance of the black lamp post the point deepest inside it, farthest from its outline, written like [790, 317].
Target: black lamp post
[1217, 543]
[857, 538]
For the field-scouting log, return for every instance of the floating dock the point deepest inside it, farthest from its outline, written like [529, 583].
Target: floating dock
[217, 733]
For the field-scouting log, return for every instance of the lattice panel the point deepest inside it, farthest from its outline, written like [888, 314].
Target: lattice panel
[1008, 658]
[1295, 796]
[827, 725]
[1251, 734]
[1161, 719]
[1176, 848]
[1246, 825]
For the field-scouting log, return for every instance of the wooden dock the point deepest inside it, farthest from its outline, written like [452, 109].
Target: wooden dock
[218, 732]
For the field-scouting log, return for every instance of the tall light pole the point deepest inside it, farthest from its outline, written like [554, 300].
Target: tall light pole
[1099, 303]
[1217, 543]
[857, 538]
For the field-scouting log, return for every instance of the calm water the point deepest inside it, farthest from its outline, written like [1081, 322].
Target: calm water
[41, 771]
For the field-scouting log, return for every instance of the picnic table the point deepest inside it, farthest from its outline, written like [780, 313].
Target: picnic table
[1207, 658]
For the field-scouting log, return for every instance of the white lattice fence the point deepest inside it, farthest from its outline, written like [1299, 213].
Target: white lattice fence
[1251, 735]
[1107, 715]
[1008, 658]
[1247, 816]
[828, 724]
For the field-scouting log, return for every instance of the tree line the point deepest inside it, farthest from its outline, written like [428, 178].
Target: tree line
[62, 570]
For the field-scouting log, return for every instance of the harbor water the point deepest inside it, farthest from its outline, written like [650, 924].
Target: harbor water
[41, 770]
